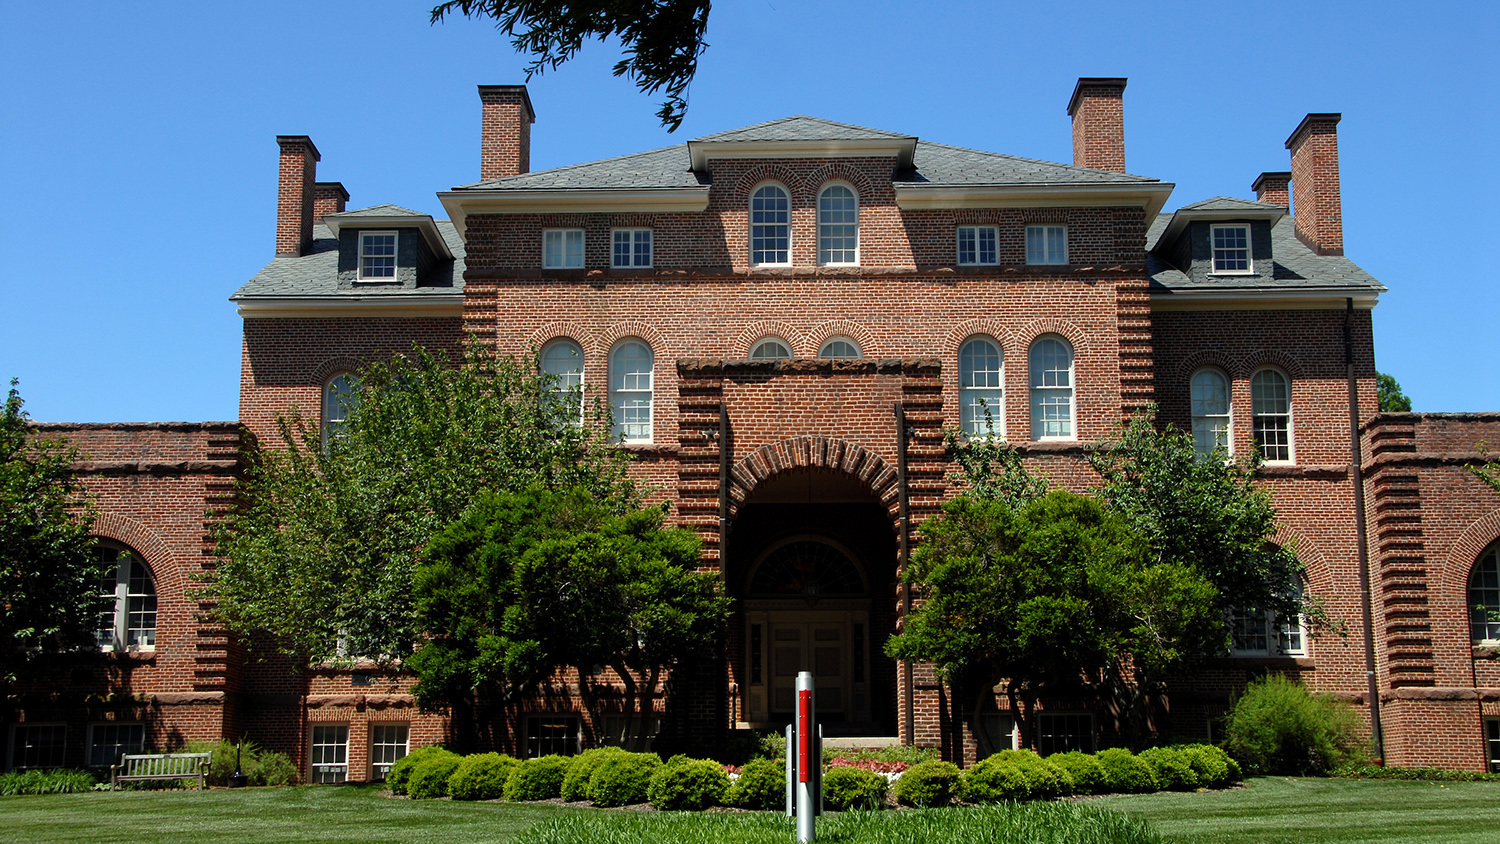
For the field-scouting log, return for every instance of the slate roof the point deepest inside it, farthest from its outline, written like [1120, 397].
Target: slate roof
[386, 210]
[1231, 203]
[801, 127]
[1296, 267]
[940, 164]
[658, 168]
[317, 273]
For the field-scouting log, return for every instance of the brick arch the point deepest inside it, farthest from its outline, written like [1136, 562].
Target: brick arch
[813, 452]
[845, 328]
[1250, 362]
[333, 366]
[986, 326]
[1036, 328]
[620, 330]
[1189, 364]
[155, 551]
[563, 331]
[762, 328]
[768, 172]
[1465, 551]
[1314, 562]
[839, 171]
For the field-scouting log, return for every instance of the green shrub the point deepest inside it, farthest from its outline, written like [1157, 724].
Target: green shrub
[1173, 768]
[429, 779]
[1125, 773]
[1015, 775]
[1214, 767]
[762, 785]
[537, 779]
[274, 769]
[924, 784]
[623, 779]
[575, 784]
[60, 781]
[1083, 770]
[481, 776]
[690, 785]
[1371, 772]
[260, 767]
[853, 788]
[400, 773]
[1279, 727]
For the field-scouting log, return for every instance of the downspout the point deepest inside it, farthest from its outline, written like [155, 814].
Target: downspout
[1356, 472]
[904, 557]
[725, 455]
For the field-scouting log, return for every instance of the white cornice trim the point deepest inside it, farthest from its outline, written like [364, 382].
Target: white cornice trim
[902, 149]
[1149, 196]
[421, 305]
[1183, 216]
[461, 203]
[1267, 300]
[423, 222]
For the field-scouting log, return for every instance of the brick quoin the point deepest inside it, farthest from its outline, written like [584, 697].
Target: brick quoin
[812, 447]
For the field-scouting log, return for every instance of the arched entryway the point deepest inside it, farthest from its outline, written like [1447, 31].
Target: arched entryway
[811, 564]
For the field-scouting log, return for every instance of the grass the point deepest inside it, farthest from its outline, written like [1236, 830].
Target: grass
[1267, 811]
[1276, 810]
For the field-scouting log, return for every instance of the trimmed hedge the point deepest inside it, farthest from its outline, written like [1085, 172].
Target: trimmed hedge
[927, 784]
[481, 776]
[1214, 767]
[1083, 769]
[537, 779]
[401, 772]
[1015, 775]
[575, 785]
[429, 778]
[623, 779]
[853, 788]
[689, 785]
[762, 785]
[1173, 768]
[1124, 773]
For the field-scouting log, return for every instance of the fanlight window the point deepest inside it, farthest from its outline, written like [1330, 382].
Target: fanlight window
[806, 568]
[1484, 596]
[771, 348]
[839, 348]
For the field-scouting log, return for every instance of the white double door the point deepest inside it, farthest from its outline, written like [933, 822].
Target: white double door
[831, 645]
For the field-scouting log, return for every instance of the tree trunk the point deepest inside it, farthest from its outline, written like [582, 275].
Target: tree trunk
[632, 698]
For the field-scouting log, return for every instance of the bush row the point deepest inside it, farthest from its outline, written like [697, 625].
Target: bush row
[17, 783]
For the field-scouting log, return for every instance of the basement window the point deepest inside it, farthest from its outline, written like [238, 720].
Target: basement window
[330, 753]
[377, 256]
[1059, 732]
[1232, 250]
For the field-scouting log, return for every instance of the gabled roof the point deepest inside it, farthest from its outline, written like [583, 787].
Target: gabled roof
[386, 210]
[800, 127]
[658, 168]
[391, 215]
[1218, 208]
[1231, 203]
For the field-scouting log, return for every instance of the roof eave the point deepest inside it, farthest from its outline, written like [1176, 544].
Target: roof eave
[461, 203]
[367, 304]
[1263, 299]
[1183, 216]
[1150, 196]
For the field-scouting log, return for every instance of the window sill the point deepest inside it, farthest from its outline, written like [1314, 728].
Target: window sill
[1303, 663]
[1486, 650]
[143, 655]
[1234, 274]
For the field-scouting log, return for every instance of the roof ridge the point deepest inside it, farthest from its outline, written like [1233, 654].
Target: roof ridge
[352, 211]
[789, 118]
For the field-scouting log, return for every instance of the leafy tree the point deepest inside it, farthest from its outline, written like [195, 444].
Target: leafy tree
[1389, 394]
[321, 551]
[49, 574]
[662, 39]
[991, 470]
[528, 583]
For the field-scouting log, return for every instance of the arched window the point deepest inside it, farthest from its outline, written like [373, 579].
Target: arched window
[1210, 391]
[839, 348]
[1257, 632]
[1051, 361]
[1484, 596]
[771, 348]
[981, 379]
[1271, 415]
[838, 226]
[127, 601]
[630, 385]
[339, 396]
[562, 360]
[807, 568]
[770, 226]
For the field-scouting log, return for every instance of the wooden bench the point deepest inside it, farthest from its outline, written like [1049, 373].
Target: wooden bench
[160, 766]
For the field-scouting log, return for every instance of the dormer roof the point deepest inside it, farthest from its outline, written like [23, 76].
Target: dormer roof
[377, 216]
[1219, 208]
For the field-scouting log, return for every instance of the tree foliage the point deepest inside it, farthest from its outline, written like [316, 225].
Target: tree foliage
[661, 39]
[321, 551]
[49, 574]
[1388, 393]
[528, 583]
[990, 469]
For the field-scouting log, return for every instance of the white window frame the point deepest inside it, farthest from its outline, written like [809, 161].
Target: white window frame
[62, 752]
[1492, 743]
[1213, 249]
[1291, 439]
[750, 216]
[970, 419]
[562, 235]
[567, 392]
[1037, 391]
[633, 237]
[1092, 731]
[1003, 727]
[822, 249]
[1486, 608]
[1227, 416]
[618, 392]
[96, 727]
[379, 769]
[337, 769]
[770, 338]
[119, 611]
[1043, 260]
[859, 352]
[1276, 630]
[395, 255]
[994, 233]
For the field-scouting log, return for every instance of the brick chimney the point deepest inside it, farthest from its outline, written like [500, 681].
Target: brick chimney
[1098, 112]
[505, 131]
[328, 198]
[1273, 188]
[294, 194]
[1316, 205]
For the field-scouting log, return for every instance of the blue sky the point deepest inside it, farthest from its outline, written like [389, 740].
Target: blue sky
[138, 156]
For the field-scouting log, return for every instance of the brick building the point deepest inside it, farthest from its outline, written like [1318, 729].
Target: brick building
[784, 319]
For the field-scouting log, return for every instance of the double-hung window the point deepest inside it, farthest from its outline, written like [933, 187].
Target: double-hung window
[562, 249]
[1484, 597]
[632, 248]
[770, 226]
[981, 378]
[1047, 245]
[377, 256]
[838, 226]
[37, 746]
[1051, 389]
[978, 245]
[108, 741]
[1257, 632]
[562, 361]
[1210, 397]
[1232, 249]
[630, 389]
[388, 744]
[330, 753]
[1271, 415]
[127, 602]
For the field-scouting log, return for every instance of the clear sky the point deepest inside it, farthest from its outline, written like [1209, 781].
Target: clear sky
[138, 156]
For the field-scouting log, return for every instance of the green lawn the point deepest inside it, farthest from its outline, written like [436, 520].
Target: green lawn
[1268, 811]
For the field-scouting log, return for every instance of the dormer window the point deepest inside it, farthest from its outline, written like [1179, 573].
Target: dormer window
[377, 256]
[562, 249]
[1232, 249]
